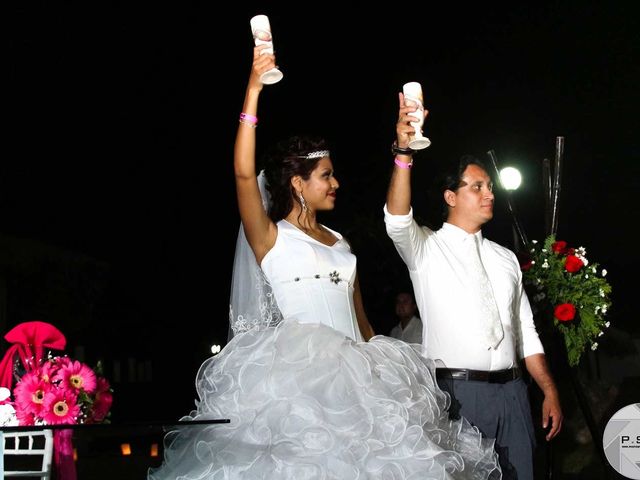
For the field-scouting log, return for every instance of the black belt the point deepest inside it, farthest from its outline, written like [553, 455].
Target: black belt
[495, 376]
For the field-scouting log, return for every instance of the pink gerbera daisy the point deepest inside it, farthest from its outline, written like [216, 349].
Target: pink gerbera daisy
[49, 371]
[63, 361]
[60, 407]
[78, 377]
[30, 392]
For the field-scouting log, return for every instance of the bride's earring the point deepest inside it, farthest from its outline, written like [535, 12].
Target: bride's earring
[303, 202]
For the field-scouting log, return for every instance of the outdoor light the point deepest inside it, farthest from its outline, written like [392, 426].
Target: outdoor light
[510, 178]
[215, 349]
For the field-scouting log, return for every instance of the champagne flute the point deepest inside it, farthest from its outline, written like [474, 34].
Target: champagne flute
[413, 97]
[261, 30]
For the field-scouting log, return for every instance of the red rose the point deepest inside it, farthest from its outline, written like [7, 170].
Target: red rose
[565, 312]
[573, 264]
[559, 247]
[526, 266]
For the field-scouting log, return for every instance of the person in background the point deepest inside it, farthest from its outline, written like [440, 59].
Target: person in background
[409, 327]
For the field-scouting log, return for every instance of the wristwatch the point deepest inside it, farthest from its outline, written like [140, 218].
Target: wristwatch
[396, 150]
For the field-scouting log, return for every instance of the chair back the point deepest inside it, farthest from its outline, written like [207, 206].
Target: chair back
[27, 447]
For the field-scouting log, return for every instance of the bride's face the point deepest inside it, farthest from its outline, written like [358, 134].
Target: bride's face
[320, 190]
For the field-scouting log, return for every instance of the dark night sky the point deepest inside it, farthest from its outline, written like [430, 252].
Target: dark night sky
[122, 120]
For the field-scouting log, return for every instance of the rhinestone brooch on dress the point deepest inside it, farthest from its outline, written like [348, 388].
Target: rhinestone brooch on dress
[335, 277]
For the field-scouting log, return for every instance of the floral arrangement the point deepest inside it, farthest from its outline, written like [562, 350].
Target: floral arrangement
[49, 389]
[562, 281]
[58, 391]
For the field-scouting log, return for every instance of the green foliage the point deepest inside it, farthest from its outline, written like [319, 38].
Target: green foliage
[550, 284]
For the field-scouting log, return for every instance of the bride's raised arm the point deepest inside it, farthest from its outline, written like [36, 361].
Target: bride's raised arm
[260, 231]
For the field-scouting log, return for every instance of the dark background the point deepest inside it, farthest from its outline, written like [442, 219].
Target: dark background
[117, 199]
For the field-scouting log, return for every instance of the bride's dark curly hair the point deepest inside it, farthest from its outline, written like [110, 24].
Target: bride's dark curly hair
[284, 161]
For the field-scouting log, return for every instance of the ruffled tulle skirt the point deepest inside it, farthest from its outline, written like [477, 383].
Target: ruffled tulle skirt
[305, 402]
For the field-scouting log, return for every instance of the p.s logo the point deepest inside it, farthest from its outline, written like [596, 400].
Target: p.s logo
[621, 441]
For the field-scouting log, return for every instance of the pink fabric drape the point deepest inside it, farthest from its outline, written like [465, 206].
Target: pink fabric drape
[29, 340]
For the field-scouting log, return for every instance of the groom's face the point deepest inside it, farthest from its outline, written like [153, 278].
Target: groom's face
[474, 197]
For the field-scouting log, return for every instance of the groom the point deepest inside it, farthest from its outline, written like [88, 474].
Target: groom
[477, 319]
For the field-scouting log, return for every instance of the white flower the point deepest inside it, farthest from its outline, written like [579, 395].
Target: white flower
[534, 242]
[601, 293]
[594, 346]
[4, 393]
[604, 272]
[598, 307]
[8, 416]
[545, 264]
[7, 412]
[606, 324]
[586, 275]
[604, 308]
[582, 258]
[544, 250]
[593, 269]
[601, 333]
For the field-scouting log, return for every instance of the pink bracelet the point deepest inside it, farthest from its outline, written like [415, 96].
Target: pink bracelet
[249, 118]
[402, 164]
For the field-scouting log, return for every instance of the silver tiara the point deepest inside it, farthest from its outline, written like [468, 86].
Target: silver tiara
[316, 154]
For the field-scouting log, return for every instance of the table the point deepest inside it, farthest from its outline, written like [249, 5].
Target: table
[90, 435]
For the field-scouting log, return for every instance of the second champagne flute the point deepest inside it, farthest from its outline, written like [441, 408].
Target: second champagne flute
[413, 97]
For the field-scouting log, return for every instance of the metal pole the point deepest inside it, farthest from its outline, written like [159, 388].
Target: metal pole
[556, 184]
[516, 223]
[546, 185]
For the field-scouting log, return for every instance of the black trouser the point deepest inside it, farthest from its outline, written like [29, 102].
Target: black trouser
[501, 411]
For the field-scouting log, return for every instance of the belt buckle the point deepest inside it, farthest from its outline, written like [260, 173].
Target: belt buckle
[457, 374]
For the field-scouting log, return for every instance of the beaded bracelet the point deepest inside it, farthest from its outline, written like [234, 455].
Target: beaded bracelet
[252, 119]
[402, 164]
[246, 122]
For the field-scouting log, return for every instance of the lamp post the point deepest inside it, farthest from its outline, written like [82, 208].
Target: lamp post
[513, 179]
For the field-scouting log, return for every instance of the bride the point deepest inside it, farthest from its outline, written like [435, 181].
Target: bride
[309, 391]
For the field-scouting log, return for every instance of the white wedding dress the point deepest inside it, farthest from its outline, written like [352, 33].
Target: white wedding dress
[308, 399]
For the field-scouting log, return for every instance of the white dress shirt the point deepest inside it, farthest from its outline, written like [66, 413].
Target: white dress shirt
[436, 266]
[412, 333]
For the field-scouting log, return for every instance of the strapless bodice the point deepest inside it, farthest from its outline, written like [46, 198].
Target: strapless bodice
[313, 282]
